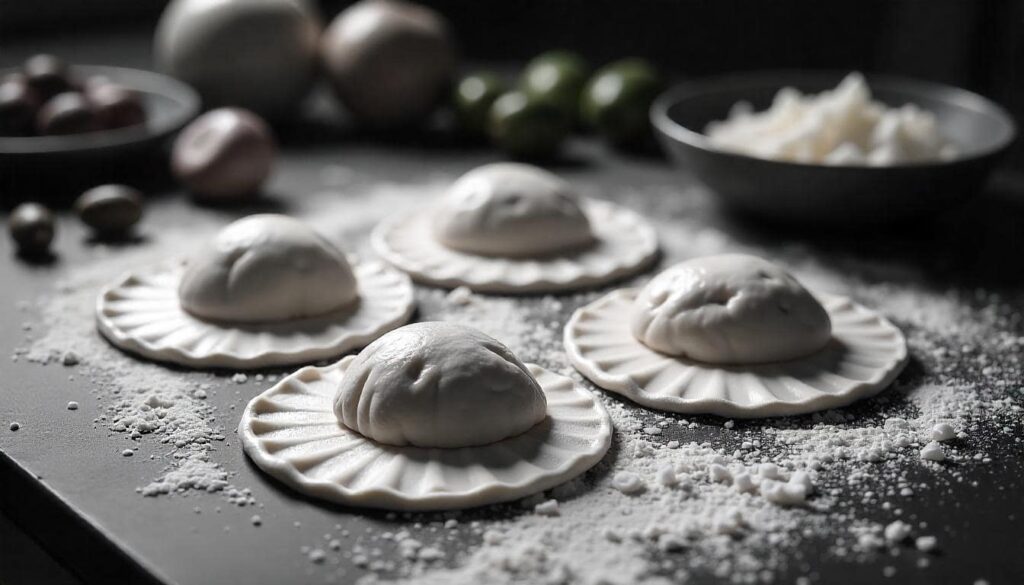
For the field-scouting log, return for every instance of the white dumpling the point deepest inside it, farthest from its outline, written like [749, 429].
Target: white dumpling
[729, 309]
[266, 268]
[514, 210]
[438, 385]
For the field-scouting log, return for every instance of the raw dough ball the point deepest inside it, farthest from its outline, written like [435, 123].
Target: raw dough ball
[438, 385]
[390, 61]
[266, 268]
[511, 209]
[729, 309]
[255, 54]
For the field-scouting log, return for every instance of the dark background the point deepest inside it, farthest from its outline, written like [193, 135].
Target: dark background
[975, 44]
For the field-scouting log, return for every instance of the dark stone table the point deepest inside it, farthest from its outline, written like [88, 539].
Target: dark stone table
[62, 483]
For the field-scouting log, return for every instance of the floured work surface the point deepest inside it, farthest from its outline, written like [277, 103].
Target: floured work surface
[921, 484]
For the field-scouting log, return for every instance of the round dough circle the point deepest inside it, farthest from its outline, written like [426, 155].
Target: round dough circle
[625, 244]
[864, 356]
[438, 384]
[140, 313]
[511, 210]
[291, 432]
[265, 268]
[729, 309]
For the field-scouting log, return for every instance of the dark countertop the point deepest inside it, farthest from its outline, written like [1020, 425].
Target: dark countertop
[62, 483]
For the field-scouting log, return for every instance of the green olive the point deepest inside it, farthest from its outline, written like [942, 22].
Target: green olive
[558, 77]
[617, 101]
[474, 95]
[525, 127]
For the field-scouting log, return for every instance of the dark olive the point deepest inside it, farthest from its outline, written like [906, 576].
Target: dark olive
[93, 82]
[526, 127]
[115, 106]
[110, 210]
[17, 76]
[617, 100]
[17, 108]
[31, 226]
[47, 76]
[474, 95]
[66, 113]
[224, 155]
[557, 76]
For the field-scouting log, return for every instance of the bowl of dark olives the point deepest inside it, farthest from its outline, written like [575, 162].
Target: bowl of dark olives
[84, 116]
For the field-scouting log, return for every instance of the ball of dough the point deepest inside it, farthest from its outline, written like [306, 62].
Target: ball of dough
[513, 210]
[265, 268]
[438, 385]
[255, 54]
[729, 309]
[390, 61]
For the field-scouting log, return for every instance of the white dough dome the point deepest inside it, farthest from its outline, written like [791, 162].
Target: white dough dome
[265, 268]
[512, 210]
[729, 309]
[438, 385]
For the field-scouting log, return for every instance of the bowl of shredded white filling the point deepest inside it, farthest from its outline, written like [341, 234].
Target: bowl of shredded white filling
[798, 146]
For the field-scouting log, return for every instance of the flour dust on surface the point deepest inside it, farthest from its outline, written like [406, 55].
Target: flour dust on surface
[677, 497]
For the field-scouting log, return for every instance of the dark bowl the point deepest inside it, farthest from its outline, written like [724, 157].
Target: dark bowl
[42, 167]
[836, 195]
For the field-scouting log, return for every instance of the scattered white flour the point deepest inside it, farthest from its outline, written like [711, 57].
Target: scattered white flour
[677, 497]
[460, 296]
[547, 508]
[943, 432]
[897, 531]
[628, 482]
[926, 543]
[933, 452]
[137, 399]
[666, 476]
